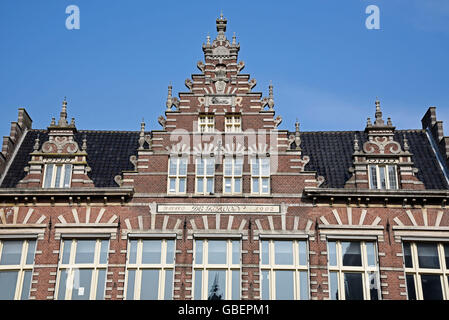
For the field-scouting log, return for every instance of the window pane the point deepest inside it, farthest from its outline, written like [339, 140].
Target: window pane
[446, 255]
[198, 284]
[182, 166]
[431, 287]
[392, 177]
[210, 185]
[371, 254]
[168, 289]
[373, 177]
[284, 285]
[62, 284]
[235, 252]
[428, 255]
[8, 281]
[210, 169]
[81, 284]
[130, 285]
[228, 185]
[265, 285]
[48, 175]
[200, 185]
[332, 247]
[265, 167]
[200, 166]
[66, 253]
[104, 251]
[238, 185]
[31, 250]
[283, 252]
[333, 285]
[256, 185]
[351, 253]
[302, 248]
[151, 251]
[304, 285]
[173, 166]
[383, 183]
[411, 287]
[182, 185]
[235, 285]
[67, 175]
[101, 284]
[132, 251]
[199, 252]
[228, 167]
[172, 185]
[255, 167]
[170, 259]
[265, 184]
[217, 285]
[26, 286]
[217, 252]
[265, 252]
[11, 252]
[353, 286]
[408, 255]
[373, 285]
[85, 251]
[238, 168]
[58, 176]
[149, 288]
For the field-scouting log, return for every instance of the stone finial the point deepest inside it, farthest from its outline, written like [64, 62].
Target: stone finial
[356, 143]
[234, 39]
[84, 146]
[221, 28]
[208, 39]
[169, 102]
[379, 121]
[389, 123]
[368, 122]
[270, 96]
[297, 136]
[63, 115]
[36, 144]
[142, 135]
[406, 146]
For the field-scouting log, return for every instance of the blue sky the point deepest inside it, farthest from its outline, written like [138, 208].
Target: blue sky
[326, 67]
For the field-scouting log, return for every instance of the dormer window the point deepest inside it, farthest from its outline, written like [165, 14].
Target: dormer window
[233, 123]
[383, 177]
[57, 176]
[206, 123]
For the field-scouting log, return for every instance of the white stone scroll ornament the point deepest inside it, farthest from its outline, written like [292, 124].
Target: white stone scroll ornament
[382, 145]
[60, 145]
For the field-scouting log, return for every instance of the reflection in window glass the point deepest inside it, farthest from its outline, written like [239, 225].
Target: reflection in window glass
[217, 252]
[428, 255]
[431, 287]
[85, 251]
[332, 247]
[353, 286]
[11, 252]
[283, 252]
[217, 285]
[411, 291]
[151, 252]
[371, 253]
[352, 256]
[373, 285]
[334, 285]
[284, 285]
[407, 255]
[82, 283]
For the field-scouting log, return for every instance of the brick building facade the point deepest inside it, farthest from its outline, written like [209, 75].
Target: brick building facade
[221, 204]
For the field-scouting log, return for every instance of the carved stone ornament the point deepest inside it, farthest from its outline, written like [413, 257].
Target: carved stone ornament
[60, 145]
[381, 145]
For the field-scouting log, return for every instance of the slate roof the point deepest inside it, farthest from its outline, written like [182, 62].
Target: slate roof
[330, 155]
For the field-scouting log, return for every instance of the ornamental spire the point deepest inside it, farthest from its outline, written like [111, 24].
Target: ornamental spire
[169, 102]
[63, 115]
[379, 121]
[221, 27]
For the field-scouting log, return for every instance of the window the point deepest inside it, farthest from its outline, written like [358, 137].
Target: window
[353, 270]
[150, 269]
[383, 177]
[216, 268]
[233, 123]
[260, 175]
[82, 269]
[427, 270]
[205, 171]
[284, 270]
[177, 175]
[57, 175]
[16, 267]
[206, 123]
[232, 175]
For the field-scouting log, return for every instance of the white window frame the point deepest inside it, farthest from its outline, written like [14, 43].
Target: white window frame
[21, 268]
[416, 271]
[364, 269]
[387, 177]
[233, 123]
[72, 267]
[232, 176]
[163, 267]
[205, 267]
[260, 175]
[206, 123]
[177, 176]
[272, 267]
[204, 175]
[53, 175]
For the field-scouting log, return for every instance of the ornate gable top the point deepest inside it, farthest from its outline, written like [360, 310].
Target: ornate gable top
[221, 47]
